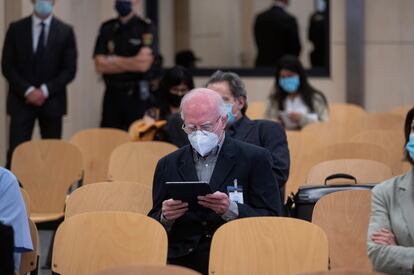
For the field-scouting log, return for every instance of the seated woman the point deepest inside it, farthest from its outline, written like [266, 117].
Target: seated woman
[13, 213]
[391, 228]
[294, 102]
[175, 83]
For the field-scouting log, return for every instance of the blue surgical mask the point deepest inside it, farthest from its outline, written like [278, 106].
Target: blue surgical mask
[230, 116]
[43, 7]
[410, 146]
[123, 8]
[290, 84]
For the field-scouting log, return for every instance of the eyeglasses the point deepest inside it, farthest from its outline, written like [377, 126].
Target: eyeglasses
[204, 128]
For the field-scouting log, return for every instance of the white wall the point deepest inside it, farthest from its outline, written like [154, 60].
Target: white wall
[389, 54]
[258, 88]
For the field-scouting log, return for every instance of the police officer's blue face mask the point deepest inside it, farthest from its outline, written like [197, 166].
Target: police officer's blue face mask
[123, 7]
[43, 8]
[410, 146]
[290, 84]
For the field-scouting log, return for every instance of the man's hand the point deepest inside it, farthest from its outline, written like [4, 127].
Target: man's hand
[172, 210]
[384, 237]
[36, 98]
[218, 202]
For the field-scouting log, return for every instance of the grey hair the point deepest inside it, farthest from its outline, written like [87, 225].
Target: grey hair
[221, 107]
[237, 87]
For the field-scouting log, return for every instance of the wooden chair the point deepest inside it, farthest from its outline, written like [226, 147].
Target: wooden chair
[109, 196]
[148, 270]
[342, 272]
[365, 171]
[46, 169]
[145, 130]
[256, 110]
[96, 146]
[311, 156]
[401, 110]
[136, 161]
[90, 242]
[318, 134]
[345, 112]
[344, 216]
[392, 140]
[268, 245]
[380, 121]
[29, 260]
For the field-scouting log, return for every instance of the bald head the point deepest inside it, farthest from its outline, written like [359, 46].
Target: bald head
[202, 102]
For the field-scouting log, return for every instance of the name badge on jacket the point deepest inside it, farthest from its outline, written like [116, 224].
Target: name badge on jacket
[235, 193]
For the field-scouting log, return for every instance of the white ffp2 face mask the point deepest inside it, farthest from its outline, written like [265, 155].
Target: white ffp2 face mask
[203, 142]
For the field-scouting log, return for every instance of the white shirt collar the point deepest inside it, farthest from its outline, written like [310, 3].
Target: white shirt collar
[36, 20]
[280, 5]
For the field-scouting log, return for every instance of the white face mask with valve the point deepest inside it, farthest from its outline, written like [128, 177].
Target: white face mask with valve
[203, 142]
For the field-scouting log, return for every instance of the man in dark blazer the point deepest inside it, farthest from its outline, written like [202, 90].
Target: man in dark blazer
[264, 133]
[39, 60]
[276, 34]
[226, 164]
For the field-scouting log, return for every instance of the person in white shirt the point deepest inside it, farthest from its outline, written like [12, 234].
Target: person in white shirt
[294, 102]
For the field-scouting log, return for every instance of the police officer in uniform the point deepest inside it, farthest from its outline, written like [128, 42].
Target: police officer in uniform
[124, 54]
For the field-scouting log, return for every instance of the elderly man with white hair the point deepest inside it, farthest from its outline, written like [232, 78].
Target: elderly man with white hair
[226, 165]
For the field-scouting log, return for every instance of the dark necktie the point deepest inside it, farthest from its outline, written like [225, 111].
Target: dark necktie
[38, 64]
[41, 42]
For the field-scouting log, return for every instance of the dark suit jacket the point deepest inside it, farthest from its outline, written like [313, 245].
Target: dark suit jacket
[276, 33]
[269, 135]
[249, 164]
[18, 62]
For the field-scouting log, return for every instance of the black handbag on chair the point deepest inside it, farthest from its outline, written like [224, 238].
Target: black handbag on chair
[301, 204]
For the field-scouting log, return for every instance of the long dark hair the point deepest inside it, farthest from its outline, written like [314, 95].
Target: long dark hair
[174, 77]
[407, 130]
[306, 91]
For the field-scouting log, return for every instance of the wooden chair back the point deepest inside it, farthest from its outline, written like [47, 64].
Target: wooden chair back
[345, 112]
[136, 161]
[309, 157]
[401, 110]
[268, 245]
[364, 170]
[342, 272]
[148, 270]
[344, 216]
[46, 169]
[29, 260]
[90, 242]
[256, 110]
[380, 121]
[109, 196]
[392, 140]
[96, 146]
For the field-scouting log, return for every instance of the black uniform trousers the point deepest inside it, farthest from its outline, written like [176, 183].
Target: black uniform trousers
[22, 125]
[122, 106]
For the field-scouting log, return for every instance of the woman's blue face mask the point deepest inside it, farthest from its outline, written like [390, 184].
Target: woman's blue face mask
[410, 146]
[290, 84]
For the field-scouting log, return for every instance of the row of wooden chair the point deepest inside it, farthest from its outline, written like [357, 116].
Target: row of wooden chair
[338, 112]
[48, 168]
[88, 241]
